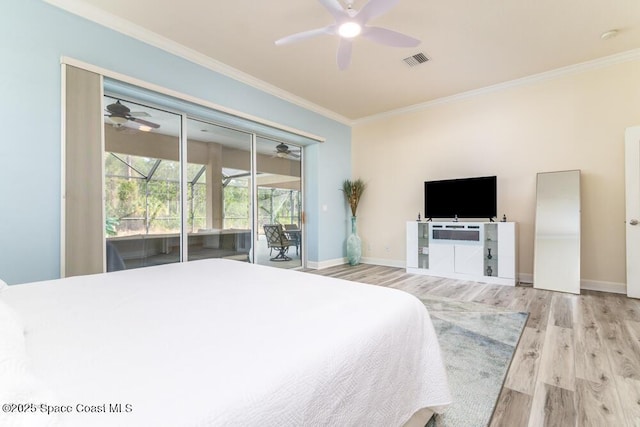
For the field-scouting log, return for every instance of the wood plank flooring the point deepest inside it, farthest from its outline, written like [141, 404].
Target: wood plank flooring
[577, 362]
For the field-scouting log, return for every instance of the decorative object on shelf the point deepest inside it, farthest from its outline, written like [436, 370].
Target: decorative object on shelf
[489, 271]
[489, 256]
[418, 216]
[504, 218]
[353, 192]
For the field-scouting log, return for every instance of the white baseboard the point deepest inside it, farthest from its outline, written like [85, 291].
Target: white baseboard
[525, 278]
[326, 264]
[591, 285]
[384, 262]
[595, 285]
[364, 260]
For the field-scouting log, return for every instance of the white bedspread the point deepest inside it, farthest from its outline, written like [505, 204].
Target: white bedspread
[226, 343]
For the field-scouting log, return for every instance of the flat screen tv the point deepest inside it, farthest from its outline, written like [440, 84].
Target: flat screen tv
[462, 198]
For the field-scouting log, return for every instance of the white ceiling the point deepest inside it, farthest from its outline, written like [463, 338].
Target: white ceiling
[471, 44]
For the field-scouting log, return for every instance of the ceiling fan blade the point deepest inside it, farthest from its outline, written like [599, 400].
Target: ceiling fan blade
[389, 37]
[306, 35]
[375, 8]
[344, 53]
[144, 122]
[139, 114]
[335, 9]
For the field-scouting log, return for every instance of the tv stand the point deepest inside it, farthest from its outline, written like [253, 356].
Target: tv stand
[474, 251]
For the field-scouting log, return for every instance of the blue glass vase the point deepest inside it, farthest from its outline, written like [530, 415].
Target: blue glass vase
[354, 245]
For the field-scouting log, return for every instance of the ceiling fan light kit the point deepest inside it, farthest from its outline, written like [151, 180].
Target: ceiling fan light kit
[118, 120]
[351, 23]
[349, 30]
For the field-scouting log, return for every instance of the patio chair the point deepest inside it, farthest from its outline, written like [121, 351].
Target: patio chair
[277, 239]
[293, 232]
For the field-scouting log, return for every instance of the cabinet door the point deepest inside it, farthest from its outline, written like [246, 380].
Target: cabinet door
[441, 258]
[507, 250]
[412, 245]
[469, 259]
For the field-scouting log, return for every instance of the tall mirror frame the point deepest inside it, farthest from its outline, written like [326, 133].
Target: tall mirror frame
[557, 232]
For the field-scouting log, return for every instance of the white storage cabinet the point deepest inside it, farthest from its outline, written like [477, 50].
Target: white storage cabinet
[475, 251]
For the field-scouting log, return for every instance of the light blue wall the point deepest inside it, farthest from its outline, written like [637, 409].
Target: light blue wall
[33, 37]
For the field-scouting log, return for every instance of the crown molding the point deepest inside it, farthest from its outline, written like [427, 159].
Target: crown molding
[137, 32]
[627, 56]
[123, 26]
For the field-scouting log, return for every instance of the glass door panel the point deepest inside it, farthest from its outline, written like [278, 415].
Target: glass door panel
[142, 185]
[279, 199]
[218, 192]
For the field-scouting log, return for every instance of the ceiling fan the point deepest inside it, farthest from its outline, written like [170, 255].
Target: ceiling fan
[119, 114]
[283, 151]
[350, 23]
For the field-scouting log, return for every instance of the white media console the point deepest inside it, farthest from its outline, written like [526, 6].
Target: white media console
[476, 251]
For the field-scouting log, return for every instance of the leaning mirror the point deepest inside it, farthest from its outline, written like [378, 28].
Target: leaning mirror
[557, 232]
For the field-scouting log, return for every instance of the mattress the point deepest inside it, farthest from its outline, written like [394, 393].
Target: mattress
[220, 342]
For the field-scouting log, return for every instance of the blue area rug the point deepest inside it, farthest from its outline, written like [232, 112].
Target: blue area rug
[477, 343]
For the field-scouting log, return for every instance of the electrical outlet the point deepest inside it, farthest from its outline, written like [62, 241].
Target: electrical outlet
[387, 248]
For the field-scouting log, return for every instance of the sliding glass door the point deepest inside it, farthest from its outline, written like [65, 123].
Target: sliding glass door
[179, 188]
[219, 191]
[150, 178]
[279, 203]
[142, 203]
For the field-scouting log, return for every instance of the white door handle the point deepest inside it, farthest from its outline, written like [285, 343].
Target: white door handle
[633, 222]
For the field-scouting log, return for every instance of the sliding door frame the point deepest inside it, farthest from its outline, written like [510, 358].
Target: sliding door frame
[102, 72]
[254, 198]
[184, 197]
[80, 260]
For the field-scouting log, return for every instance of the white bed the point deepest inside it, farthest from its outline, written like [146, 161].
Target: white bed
[219, 342]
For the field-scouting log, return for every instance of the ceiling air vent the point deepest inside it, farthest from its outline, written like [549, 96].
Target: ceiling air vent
[417, 59]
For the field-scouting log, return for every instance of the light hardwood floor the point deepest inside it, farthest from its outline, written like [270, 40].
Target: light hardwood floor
[578, 359]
